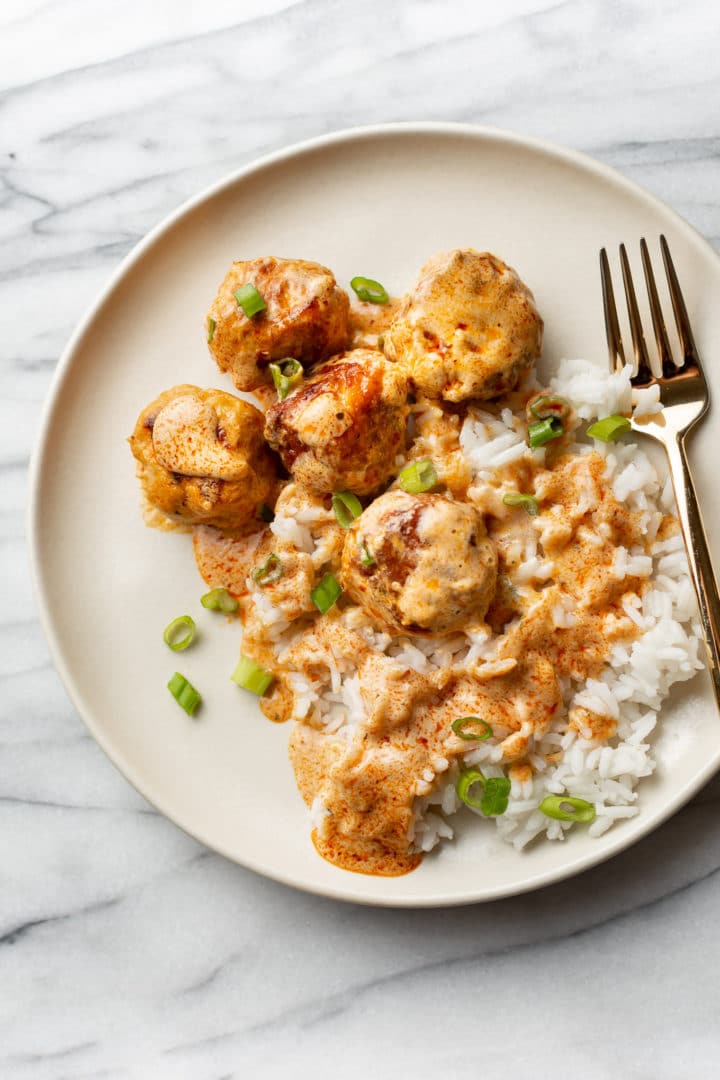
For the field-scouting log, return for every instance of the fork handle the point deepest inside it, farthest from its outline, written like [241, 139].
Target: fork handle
[698, 553]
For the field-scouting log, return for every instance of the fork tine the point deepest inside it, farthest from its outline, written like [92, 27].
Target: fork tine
[643, 372]
[616, 356]
[668, 365]
[681, 316]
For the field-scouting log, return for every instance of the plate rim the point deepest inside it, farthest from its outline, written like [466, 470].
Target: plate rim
[339, 891]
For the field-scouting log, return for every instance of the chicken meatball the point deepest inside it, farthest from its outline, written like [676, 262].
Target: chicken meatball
[468, 329]
[420, 564]
[305, 317]
[344, 427]
[202, 458]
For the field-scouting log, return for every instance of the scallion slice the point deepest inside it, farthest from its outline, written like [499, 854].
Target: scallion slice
[542, 431]
[266, 513]
[219, 600]
[548, 405]
[495, 792]
[567, 808]
[609, 428]
[211, 324]
[465, 783]
[495, 796]
[271, 570]
[528, 502]
[252, 676]
[250, 300]
[184, 693]
[184, 626]
[325, 594]
[366, 556]
[472, 728]
[418, 476]
[369, 290]
[346, 507]
[286, 375]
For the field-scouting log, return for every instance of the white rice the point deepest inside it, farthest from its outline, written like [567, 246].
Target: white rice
[639, 674]
[634, 682]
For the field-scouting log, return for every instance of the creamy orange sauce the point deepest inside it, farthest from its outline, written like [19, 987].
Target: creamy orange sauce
[367, 781]
[369, 321]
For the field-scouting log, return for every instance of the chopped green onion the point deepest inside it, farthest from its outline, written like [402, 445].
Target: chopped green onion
[346, 507]
[370, 291]
[211, 324]
[418, 476]
[184, 693]
[528, 502]
[326, 593]
[548, 405]
[219, 600]
[286, 375]
[172, 631]
[250, 300]
[461, 726]
[495, 796]
[251, 676]
[271, 570]
[567, 808]
[542, 431]
[466, 781]
[495, 792]
[609, 428]
[266, 513]
[366, 556]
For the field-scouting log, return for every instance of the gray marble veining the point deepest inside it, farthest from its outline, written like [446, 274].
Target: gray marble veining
[125, 949]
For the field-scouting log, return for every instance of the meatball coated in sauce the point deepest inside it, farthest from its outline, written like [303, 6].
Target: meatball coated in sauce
[420, 564]
[344, 427]
[468, 329]
[202, 458]
[306, 317]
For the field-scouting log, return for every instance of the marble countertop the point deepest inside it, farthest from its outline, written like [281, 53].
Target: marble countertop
[126, 950]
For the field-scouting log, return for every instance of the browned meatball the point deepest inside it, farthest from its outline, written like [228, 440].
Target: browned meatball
[343, 429]
[202, 458]
[420, 564]
[468, 329]
[306, 317]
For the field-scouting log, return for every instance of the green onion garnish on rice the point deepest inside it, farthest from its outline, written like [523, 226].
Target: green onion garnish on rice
[325, 594]
[271, 570]
[369, 290]
[528, 502]
[567, 808]
[219, 600]
[609, 428]
[250, 300]
[495, 792]
[286, 375]
[184, 693]
[548, 405]
[252, 676]
[472, 727]
[346, 507]
[495, 796]
[542, 431]
[418, 476]
[179, 633]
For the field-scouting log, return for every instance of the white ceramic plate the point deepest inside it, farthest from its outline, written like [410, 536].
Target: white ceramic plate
[376, 202]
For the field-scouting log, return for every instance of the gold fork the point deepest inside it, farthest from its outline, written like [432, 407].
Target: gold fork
[685, 399]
